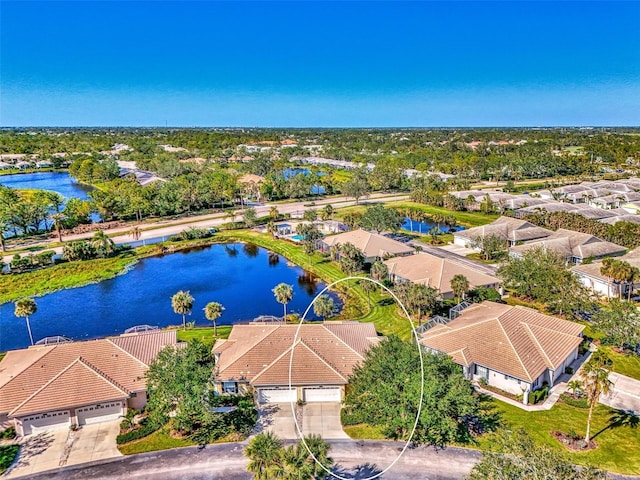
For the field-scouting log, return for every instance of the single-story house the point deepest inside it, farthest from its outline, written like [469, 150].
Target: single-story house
[50, 387]
[514, 348]
[256, 358]
[631, 207]
[436, 272]
[373, 245]
[332, 226]
[511, 229]
[590, 276]
[575, 246]
[621, 218]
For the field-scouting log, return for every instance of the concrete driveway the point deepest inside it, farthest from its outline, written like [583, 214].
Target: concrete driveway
[322, 418]
[50, 450]
[625, 394]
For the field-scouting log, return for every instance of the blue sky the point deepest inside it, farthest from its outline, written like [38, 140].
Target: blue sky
[321, 64]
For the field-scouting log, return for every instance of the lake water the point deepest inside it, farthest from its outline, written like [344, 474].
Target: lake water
[59, 182]
[292, 172]
[424, 227]
[238, 276]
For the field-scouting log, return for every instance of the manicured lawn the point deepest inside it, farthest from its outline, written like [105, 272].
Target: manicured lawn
[468, 219]
[364, 431]
[204, 334]
[159, 440]
[615, 443]
[64, 275]
[623, 364]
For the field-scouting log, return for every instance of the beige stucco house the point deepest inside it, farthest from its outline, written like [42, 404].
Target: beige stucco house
[50, 387]
[373, 245]
[256, 359]
[516, 349]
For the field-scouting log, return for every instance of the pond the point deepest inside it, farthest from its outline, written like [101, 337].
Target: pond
[59, 182]
[292, 172]
[424, 227]
[238, 276]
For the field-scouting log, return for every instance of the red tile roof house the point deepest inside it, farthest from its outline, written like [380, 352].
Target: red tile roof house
[256, 358]
[50, 387]
[515, 349]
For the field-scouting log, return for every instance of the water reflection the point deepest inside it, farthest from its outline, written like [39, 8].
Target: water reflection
[232, 250]
[274, 259]
[250, 249]
[308, 282]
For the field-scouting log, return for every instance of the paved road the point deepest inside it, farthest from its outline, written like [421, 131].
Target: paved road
[354, 460]
[166, 228]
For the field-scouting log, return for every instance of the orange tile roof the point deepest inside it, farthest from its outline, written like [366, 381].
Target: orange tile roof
[517, 341]
[29, 370]
[324, 353]
[56, 394]
[371, 244]
[145, 346]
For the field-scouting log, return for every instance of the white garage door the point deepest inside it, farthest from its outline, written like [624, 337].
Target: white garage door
[277, 395]
[322, 394]
[99, 413]
[46, 422]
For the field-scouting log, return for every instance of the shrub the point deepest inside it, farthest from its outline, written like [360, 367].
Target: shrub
[8, 433]
[574, 401]
[538, 396]
[147, 427]
[568, 370]
[194, 234]
[8, 454]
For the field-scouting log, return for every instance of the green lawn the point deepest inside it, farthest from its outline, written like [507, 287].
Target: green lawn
[64, 275]
[615, 443]
[8, 455]
[468, 219]
[204, 334]
[364, 431]
[159, 440]
[623, 364]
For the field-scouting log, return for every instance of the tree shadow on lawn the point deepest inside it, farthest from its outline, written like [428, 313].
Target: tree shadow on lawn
[384, 302]
[621, 418]
[359, 472]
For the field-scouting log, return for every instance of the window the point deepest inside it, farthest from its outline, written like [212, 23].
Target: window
[229, 387]
[482, 371]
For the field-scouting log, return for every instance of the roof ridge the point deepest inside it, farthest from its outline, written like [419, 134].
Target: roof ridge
[53, 347]
[100, 373]
[123, 350]
[326, 362]
[524, 368]
[342, 341]
[275, 328]
[538, 345]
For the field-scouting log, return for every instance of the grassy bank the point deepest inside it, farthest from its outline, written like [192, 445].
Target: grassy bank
[204, 334]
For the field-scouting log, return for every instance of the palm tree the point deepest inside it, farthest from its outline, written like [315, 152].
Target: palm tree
[575, 386]
[23, 308]
[213, 311]
[460, 286]
[274, 213]
[57, 219]
[607, 270]
[182, 303]
[103, 243]
[283, 294]
[320, 450]
[135, 232]
[324, 306]
[264, 453]
[595, 382]
[368, 287]
[327, 212]
[379, 272]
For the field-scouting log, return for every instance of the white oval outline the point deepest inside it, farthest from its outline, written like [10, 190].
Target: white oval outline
[415, 424]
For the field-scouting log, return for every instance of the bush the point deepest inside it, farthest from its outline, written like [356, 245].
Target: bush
[194, 234]
[538, 396]
[574, 401]
[568, 370]
[8, 433]
[147, 427]
[8, 454]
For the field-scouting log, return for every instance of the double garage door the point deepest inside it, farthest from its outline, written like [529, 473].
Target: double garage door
[46, 422]
[310, 394]
[103, 412]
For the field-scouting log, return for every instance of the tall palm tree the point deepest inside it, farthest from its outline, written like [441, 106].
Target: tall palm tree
[283, 294]
[320, 450]
[264, 453]
[57, 219]
[182, 303]
[379, 271]
[595, 382]
[213, 311]
[274, 214]
[459, 285]
[103, 243]
[324, 306]
[25, 307]
[607, 270]
[368, 287]
[135, 232]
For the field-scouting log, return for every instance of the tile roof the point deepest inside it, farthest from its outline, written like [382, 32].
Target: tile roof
[576, 244]
[516, 341]
[79, 381]
[436, 272]
[28, 370]
[371, 244]
[593, 269]
[508, 228]
[145, 346]
[324, 353]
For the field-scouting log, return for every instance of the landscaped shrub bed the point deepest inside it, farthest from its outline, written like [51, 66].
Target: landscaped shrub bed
[147, 426]
[578, 402]
[8, 454]
[538, 396]
[8, 433]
